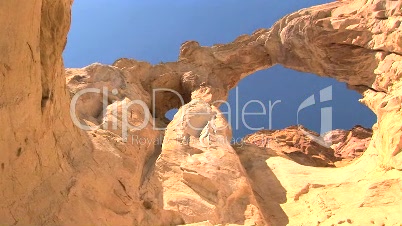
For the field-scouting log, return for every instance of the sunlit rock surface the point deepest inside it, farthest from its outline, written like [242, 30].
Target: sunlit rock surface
[53, 173]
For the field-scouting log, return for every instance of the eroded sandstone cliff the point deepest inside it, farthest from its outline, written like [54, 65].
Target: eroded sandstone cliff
[53, 173]
[39, 144]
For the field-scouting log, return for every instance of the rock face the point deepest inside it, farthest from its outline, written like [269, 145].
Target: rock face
[198, 174]
[125, 172]
[349, 144]
[40, 147]
[337, 145]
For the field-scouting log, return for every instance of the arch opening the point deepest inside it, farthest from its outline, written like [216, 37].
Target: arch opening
[170, 114]
[315, 121]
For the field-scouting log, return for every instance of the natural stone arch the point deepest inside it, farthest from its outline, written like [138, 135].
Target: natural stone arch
[318, 40]
[49, 154]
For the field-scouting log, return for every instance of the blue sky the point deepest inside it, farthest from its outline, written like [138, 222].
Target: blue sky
[104, 30]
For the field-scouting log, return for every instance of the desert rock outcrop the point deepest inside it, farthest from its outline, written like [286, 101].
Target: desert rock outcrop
[303, 147]
[349, 144]
[124, 172]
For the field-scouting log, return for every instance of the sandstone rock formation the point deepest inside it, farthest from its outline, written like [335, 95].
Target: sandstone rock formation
[53, 173]
[293, 141]
[40, 147]
[349, 144]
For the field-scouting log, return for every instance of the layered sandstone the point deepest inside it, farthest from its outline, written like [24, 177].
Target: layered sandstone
[53, 173]
[303, 146]
[349, 144]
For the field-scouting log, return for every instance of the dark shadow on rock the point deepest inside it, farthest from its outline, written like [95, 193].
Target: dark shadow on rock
[150, 163]
[151, 193]
[267, 189]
